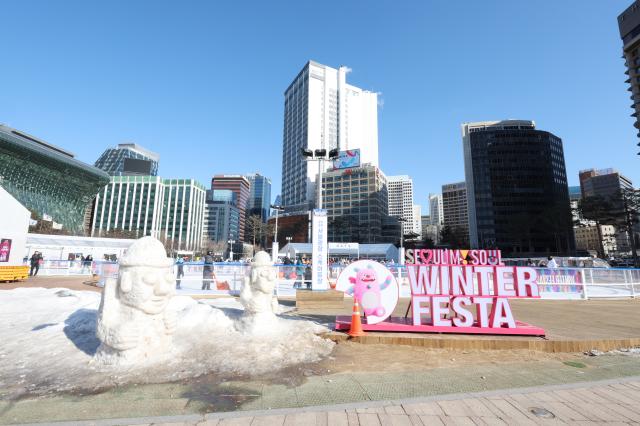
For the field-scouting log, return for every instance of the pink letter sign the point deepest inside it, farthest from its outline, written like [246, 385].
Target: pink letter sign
[453, 291]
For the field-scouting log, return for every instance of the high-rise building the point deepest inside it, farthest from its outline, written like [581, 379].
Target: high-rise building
[322, 111]
[241, 187]
[356, 203]
[429, 230]
[259, 196]
[425, 220]
[629, 25]
[575, 193]
[400, 192]
[129, 159]
[455, 211]
[221, 217]
[435, 209]
[608, 184]
[134, 206]
[516, 188]
[417, 221]
[48, 180]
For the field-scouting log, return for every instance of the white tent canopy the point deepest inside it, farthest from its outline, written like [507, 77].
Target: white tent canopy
[355, 250]
[58, 247]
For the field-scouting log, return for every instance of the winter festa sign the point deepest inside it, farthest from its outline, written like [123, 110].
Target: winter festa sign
[462, 291]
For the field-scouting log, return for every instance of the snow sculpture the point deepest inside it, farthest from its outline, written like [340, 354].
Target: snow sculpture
[133, 324]
[257, 296]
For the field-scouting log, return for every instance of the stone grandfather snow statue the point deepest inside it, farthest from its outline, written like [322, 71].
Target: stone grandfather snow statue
[133, 323]
[257, 297]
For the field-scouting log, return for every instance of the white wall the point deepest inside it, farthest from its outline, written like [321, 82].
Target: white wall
[14, 225]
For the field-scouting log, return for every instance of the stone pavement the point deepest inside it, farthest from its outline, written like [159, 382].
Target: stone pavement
[612, 401]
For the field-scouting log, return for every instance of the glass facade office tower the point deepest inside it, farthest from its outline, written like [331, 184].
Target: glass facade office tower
[455, 213]
[357, 202]
[46, 179]
[129, 159]
[222, 217]
[322, 111]
[167, 209]
[260, 196]
[516, 188]
[240, 186]
[629, 25]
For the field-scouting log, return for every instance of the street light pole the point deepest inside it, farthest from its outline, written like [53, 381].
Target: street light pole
[319, 155]
[278, 209]
[319, 186]
[401, 251]
[231, 242]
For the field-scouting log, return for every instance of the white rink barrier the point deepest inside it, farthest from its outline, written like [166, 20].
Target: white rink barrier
[554, 283]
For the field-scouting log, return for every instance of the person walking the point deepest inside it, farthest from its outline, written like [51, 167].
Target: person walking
[207, 271]
[179, 272]
[36, 257]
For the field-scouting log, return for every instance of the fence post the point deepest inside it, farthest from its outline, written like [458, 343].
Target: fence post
[633, 286]
[586, 293]
[584, 283]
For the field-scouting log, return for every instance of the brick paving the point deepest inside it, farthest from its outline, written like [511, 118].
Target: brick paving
[611, 402]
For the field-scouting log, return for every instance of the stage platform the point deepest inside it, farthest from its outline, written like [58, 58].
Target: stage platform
[405, 325]
[570, 326]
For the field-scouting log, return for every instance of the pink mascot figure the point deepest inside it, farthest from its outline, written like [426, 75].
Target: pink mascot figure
[366, 289]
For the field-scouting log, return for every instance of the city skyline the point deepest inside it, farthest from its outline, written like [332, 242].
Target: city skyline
[164, 92]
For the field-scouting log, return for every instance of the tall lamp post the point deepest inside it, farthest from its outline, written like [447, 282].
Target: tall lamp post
[278, 209]
[275, 246]
[402, 220]
[289, 242]
[319, 155]
[320, 269]
[231, 242]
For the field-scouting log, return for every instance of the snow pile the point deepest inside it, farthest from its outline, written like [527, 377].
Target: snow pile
[49, 341]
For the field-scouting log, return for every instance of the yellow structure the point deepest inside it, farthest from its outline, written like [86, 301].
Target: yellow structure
[13, 273]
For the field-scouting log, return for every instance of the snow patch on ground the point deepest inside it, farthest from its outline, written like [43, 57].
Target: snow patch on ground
[48, 342]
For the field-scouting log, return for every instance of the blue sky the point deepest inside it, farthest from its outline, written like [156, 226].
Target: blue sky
[202, 82]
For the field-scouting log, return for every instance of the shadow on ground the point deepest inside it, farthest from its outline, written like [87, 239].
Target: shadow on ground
[80, 328]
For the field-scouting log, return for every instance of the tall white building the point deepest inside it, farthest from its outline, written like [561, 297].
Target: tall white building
[400, 193]
[436, 213]
[322, 111]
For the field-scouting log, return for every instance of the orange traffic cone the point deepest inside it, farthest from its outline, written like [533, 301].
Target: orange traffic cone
[356, 325]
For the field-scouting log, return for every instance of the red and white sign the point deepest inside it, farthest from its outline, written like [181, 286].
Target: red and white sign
[449, 286]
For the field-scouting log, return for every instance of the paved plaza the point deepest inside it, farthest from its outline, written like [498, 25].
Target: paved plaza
[612, 402]
[384, 383]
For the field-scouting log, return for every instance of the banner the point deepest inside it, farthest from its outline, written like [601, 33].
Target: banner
[319, 251]
[5, 249]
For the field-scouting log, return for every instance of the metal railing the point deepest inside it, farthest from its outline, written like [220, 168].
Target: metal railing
[554, 283]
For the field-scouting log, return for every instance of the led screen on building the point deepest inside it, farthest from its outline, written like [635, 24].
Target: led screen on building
[347, 159]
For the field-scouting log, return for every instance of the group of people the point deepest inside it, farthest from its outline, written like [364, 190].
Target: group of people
[550, 263]
[208, 275]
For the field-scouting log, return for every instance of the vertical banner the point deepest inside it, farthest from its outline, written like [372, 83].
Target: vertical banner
[5, 249]
[274, 252]
[319, 280]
